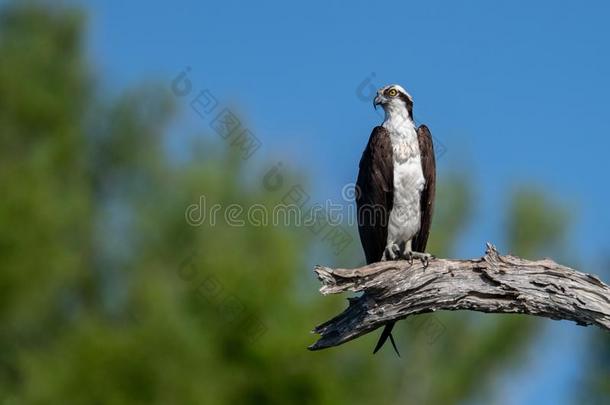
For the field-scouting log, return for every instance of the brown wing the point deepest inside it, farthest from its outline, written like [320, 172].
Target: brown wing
[428, 164]
[375, 193]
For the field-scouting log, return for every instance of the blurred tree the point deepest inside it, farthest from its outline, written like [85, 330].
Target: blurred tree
[45, 209]
[536, 225]
[110, 297]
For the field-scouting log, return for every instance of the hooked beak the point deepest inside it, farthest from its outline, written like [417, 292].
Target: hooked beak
[377, 101]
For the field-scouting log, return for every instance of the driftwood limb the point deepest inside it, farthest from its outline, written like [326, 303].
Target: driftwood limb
[493, 283]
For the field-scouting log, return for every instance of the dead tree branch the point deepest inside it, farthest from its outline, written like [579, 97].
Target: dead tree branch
[493, 283]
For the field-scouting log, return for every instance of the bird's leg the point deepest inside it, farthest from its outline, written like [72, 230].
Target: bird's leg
[410, 255]
[406, 252]
[391, 252]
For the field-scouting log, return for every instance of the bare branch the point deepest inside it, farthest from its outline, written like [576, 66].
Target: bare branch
[493, 283]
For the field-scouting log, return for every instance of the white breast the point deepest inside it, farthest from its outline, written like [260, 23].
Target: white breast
[409, 182]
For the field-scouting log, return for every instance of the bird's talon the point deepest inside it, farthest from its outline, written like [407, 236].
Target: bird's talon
[391, 252]
[423, 257]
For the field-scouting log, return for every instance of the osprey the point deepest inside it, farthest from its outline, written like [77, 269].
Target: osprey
[395, 187]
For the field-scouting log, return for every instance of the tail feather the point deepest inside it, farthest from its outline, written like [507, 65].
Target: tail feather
[387, 333]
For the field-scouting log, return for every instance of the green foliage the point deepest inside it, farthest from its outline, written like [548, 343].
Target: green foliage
[534, 223]
[110, 297]
[452, 213]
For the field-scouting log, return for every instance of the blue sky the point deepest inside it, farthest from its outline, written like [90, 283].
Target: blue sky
[515, 91]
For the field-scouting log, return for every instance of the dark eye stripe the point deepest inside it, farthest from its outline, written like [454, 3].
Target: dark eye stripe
[391, 92]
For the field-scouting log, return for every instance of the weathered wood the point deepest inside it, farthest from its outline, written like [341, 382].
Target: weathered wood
[494, 283]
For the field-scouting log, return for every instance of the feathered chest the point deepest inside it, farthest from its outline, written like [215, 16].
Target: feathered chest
[408, 173]
[405, 145]
[409, 181]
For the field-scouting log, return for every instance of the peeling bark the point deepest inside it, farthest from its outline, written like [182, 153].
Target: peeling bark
[494, 283]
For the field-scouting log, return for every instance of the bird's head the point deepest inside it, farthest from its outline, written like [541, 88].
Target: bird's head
[394, 100]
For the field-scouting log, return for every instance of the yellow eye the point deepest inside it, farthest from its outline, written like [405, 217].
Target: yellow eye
[392, 92]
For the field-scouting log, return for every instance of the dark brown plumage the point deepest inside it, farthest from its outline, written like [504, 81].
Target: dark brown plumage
[375, 196]
[375, 193]
[428, 163]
